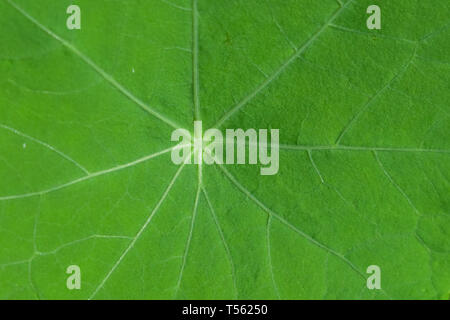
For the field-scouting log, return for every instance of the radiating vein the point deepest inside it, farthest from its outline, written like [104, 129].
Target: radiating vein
[139, 233]
[280, 70]
[62, 154]
[378, 93]
[195, 72]
[227, 249]
[88, 177]
[188, 241]
[241, 188]
[361, 148]
[94, 66]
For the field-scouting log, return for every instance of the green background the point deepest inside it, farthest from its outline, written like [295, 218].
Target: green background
[364, 173]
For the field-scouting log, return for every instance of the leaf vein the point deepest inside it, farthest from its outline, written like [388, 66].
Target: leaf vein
[88, 177]
[188, 241]
[286, 223]
[94, 66]
[227, 249]
[139, 233]
[280, 70]
[48, 146]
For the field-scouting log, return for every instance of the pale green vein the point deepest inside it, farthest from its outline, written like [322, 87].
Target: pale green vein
[222, 236]
[35, 227]
[30, 280]
[91, 237]
[188, 241]
[435, 32]
[314, 166]
[376, 35]
[195, 71]
[55, 93]
[14, 263]
[241, 188]
[377, 94]
[269, 254]
[322, 180]
[283, 67]
[38, 253]
[94, 66]
[361, 148]
[62, 154]
[88, 177]
[392, 181]
[279, 27]
[176, 6]
[139, 233]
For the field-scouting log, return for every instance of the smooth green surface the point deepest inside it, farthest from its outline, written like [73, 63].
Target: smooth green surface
[364, 171]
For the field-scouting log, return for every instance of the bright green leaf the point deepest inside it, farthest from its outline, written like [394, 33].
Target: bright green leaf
[86, 176]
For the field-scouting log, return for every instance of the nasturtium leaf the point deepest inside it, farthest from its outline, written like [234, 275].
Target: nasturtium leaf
[87, 179]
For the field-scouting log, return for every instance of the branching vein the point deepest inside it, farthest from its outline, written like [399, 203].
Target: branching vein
[227, 249]
[62, 154]
[314, 165]
[391, 180]
[188, 242]
[241, 188]
[141, 230]
[280, 70]
[377, 94]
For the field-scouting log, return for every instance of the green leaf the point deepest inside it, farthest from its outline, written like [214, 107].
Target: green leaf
[86, 176]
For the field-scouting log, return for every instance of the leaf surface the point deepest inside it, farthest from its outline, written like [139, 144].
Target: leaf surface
[87, 178]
